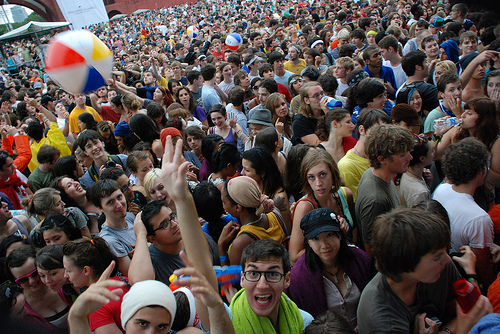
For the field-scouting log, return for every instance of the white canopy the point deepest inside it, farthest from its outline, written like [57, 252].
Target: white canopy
[33, 27]
[140, 11]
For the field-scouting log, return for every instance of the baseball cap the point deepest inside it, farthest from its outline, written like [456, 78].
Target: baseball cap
[318, 221]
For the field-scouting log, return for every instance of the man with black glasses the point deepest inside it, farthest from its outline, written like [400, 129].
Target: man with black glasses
[261, 302]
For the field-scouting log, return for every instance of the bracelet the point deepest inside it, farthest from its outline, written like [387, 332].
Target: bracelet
[471, 278]
[447, 330]
[223, 258]
[40, 108]
[45, 119]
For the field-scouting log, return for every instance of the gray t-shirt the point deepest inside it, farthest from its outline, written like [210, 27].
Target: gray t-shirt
[120, 240]
[375, 197]
[380, 310]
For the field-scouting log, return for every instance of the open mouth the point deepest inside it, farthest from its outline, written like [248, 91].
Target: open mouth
[263, 300]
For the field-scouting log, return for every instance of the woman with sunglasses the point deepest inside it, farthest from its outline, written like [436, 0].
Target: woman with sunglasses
[46, 308]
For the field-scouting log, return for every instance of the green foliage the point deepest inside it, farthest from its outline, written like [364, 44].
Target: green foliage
[32, 17]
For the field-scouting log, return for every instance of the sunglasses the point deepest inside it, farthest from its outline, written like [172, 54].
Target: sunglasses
[24, 279]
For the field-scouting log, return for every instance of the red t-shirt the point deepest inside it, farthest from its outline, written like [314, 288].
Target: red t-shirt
[283, 90]
[218, 55]
[108, 114]
[109, 313]
[348, 143]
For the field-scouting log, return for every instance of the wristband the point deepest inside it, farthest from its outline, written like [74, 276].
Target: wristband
[447, 330]
[40, 108]
[45, 119]
[223, 258]
[471, 278]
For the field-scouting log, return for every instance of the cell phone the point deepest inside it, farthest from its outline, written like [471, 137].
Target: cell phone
[436, 320]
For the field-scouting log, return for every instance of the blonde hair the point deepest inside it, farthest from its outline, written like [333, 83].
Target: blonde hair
[130, 101]
[447, 65]
[150, 179]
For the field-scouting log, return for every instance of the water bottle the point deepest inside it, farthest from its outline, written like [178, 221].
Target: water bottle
[333, 103]
[444, 123]
[466, 294]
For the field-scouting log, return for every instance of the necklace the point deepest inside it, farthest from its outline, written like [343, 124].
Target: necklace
[355, 150]
[335, 278]
[256, 221]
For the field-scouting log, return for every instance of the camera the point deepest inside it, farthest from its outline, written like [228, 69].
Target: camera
[109, 164]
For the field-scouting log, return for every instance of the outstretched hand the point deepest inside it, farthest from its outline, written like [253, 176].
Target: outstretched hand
[173, 170]
[197, 283]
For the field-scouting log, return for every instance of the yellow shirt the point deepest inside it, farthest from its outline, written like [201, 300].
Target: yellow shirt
[296, 69]
[351, 168]
[73, 118]
[55, 138]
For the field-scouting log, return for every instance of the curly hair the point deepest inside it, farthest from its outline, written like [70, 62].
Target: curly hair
[464, 160]
[386, 140]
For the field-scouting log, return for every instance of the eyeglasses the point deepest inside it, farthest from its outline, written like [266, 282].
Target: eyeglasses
[317, 95]
[165, 225]
[25, 278]
[270, 276]
[384, 94]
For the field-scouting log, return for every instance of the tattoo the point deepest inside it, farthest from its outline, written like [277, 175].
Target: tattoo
[279, 202]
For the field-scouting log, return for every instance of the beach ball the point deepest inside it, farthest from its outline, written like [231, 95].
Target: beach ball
[78, 61]
[233, 41]
[192, 32]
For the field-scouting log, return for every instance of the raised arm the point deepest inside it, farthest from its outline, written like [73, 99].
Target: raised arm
[94, 102]
[141, 267]
[173, 176]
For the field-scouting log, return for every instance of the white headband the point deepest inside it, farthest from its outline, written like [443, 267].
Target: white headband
[194, 319]
[319, 41]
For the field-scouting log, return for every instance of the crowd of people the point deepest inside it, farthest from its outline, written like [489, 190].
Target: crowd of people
[345, 159]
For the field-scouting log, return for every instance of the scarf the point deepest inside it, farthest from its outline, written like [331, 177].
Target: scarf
[12, 188]
[246, 321]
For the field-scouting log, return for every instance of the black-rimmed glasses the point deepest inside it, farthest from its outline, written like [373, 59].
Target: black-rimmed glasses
[165, 225]
[270, 276]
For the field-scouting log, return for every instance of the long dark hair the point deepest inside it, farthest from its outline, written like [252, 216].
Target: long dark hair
[144, 127]
[487, 128]
[345, 254]
[265, 166]
[94, 253]
[192, 102]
